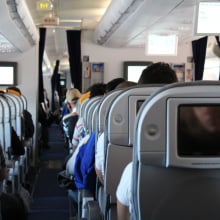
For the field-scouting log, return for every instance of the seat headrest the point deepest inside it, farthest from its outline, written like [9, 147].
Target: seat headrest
[122, 113]
[179, 126]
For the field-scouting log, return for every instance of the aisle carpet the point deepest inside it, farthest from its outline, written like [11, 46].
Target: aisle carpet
[50, 201]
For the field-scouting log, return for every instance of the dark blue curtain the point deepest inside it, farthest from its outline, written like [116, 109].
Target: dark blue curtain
[54, 84]
[217, 40]
[42, 32]
[199, 53]
[218, 43]
[74, 48]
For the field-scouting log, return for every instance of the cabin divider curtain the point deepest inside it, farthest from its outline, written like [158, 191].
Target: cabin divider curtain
[74, 49]
[218, 43]
[55, 84]
[42, 32]
[217, 40]
[199, 54]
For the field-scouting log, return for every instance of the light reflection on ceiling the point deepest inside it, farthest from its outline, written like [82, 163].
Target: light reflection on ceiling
[6, 46]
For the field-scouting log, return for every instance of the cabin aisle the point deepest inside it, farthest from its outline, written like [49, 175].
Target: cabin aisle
[49, 200]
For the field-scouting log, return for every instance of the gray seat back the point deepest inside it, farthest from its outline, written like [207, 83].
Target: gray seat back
[2, 131]
[82, 107]
[119, 129]
[12, 110]
[91, 110]
[19, 109]
[170, 179]
[86, 110]
[103, 107]
[7, 123]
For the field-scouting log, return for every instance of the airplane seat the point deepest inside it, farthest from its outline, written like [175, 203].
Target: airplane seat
[2, 132]
[94, 117]
[176, 158]
[12, 110]
[84, 194]
[23, 159]
[69, 121]
[24, 100]
[86, 109]
[7, 125]
[27, 143]
[18, 114]
[119, 126]
[82, 107]
[99, 127]
[91, 110]
[9, 183]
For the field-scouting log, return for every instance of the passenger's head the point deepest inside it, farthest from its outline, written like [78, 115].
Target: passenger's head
[126, 84]
[13, 90]
[72, 95]
[97, 89]
[158, 73]
[111, 85]
[13, 207]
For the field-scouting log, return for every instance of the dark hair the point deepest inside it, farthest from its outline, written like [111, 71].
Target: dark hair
[111, 85]
[158, 73]
[13, 207]
[97, 89]
[126, 84]
[14, 88]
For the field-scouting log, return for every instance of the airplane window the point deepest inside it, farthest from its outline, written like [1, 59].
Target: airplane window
[198, 130]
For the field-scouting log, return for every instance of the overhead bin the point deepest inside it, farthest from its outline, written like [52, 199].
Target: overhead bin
[127, 20]
[17, 25]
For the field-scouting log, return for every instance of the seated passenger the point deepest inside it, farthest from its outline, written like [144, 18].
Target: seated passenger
[3, 168]
[97, 89]
[157, 73]
[100, 155]
[12, 207]
[69, 120]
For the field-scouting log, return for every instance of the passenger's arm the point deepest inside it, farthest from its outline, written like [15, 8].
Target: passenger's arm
[122, 211]
[3, 173]
[99, 175]
[99, 158]
[123, 194]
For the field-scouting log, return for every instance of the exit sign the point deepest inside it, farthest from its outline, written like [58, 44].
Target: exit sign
[44, 6]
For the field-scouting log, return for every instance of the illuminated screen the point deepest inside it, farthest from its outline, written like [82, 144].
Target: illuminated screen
[62, 82]
[207, 18]
[8, 73]
[198, 130]
[133, 69]
[161, 45]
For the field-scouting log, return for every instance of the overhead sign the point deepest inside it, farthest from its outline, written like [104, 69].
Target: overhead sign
[51, 20]
[44, 5]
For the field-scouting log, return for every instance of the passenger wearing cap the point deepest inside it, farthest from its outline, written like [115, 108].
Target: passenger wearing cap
[69, 120]
[72, 96]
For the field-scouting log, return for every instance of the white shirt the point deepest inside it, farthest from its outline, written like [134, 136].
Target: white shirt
[79, 132]
[100, 154]
[123, 192]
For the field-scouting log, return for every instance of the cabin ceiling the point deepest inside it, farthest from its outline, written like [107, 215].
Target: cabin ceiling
[116, 23]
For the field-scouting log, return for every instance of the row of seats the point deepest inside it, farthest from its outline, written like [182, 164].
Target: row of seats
[11, 116]
[176, 154]
[174, 173]
[110, 114]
